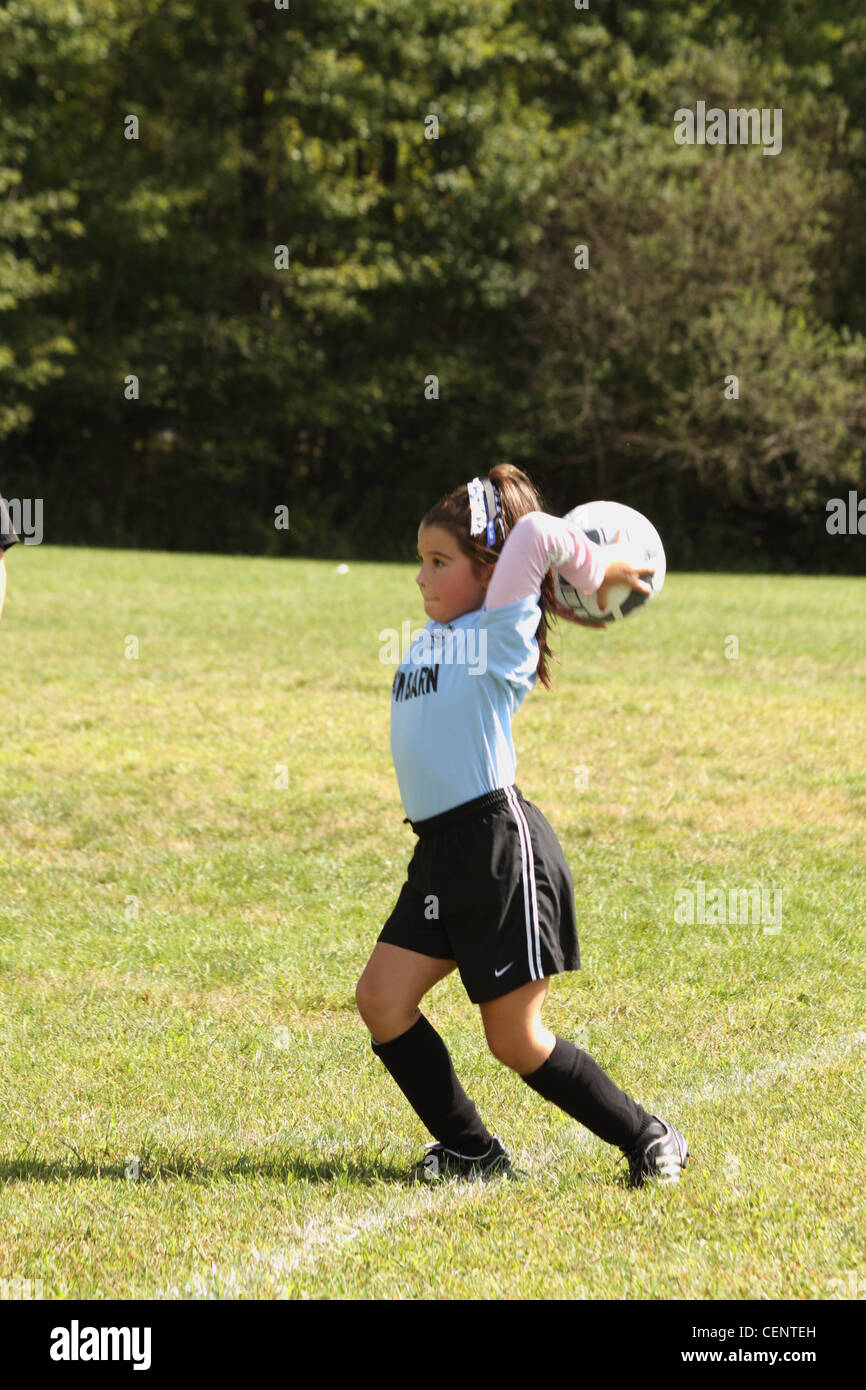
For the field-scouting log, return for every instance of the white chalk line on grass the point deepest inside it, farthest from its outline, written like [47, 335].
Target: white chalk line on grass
[326, 1235]
[739, 1079]
[734, 1082]
[319, 1237]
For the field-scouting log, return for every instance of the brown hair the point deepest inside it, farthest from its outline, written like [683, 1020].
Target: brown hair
[518, 495]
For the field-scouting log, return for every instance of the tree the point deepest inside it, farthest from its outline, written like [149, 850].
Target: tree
[705, 263]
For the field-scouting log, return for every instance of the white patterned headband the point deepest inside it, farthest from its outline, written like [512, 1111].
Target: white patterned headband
[485, 509]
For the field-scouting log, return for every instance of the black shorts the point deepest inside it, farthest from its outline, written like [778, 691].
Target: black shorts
[488, 887]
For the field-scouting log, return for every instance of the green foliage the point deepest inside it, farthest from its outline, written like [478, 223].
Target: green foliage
[306, 381]
[34, 340]
[703, 264]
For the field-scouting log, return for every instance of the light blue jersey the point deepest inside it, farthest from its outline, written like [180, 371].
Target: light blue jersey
[452, 702]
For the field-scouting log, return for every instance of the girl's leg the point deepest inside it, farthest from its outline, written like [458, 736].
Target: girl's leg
[515, 1034]
[392, 986]
[557, 1070]
[389, 991]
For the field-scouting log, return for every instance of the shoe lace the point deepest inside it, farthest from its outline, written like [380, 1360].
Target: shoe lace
[637, 1163]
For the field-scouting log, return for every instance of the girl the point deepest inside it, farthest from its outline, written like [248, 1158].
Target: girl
[488, 890]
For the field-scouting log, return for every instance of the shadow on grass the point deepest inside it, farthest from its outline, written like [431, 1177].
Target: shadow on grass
[339, 1169]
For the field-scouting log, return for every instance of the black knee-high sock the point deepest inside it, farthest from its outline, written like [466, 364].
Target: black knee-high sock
[420, 1064]
[576, 1083]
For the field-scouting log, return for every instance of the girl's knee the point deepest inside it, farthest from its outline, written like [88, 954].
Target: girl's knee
[367, 1000]
[521, 1051]
[384, 1014]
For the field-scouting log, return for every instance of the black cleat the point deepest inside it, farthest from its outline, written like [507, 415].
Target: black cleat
[661, 1152]
[439, 1163]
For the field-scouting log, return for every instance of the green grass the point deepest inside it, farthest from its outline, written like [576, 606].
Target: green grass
[180, 937]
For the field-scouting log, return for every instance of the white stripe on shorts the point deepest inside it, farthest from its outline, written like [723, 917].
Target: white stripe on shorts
[530, 899]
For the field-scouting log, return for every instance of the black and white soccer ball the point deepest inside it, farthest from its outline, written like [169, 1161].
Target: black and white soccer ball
[640, 544]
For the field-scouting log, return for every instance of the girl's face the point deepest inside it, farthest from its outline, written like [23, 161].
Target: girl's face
[448, 585]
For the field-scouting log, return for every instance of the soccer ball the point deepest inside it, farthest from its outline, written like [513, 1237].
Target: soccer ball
[640, 544]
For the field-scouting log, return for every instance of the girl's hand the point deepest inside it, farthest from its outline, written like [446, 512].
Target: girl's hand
[620, 571]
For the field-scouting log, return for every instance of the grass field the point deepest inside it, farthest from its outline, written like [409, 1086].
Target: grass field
[199, 844]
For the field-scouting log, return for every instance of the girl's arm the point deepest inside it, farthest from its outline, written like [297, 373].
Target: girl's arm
[536, 542]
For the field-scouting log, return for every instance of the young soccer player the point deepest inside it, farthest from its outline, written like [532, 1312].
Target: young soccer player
[488, 890]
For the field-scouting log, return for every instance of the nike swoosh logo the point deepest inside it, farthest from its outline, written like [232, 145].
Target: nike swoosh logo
[497, 973]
